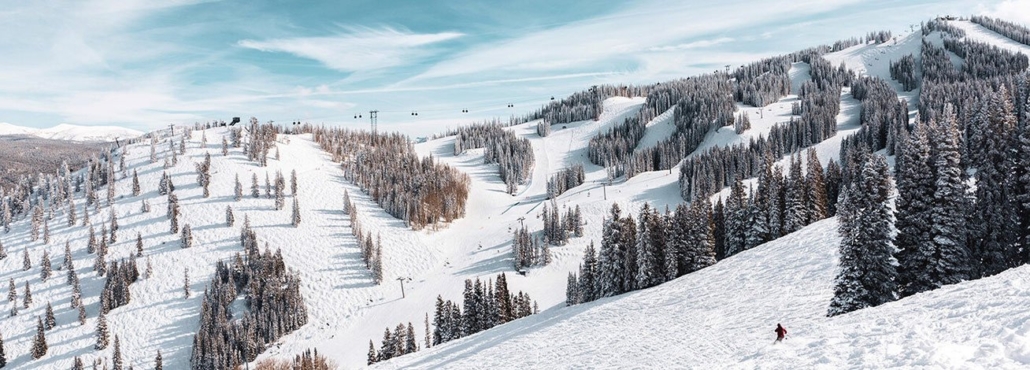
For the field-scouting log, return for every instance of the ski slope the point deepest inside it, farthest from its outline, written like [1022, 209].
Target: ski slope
[724, 316]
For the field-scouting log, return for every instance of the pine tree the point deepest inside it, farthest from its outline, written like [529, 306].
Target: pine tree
[867, 274]
[158, 362]
[572, 290]
[186, 283]
[795, 212]
[296, 212]
[373, 357]
[27, 297]
[612, 256]
[948, 213]
[1020, 182]
[116, 357]
[39, 346]
[3, 353]
[51, 321]
[46, 232]
[135, 184]
[293, 182]
[187, 236]
[139, 244]
[650, 238]
[114, 227]
[237, 189]
[68, 263]
[3, 253]
[72, 217]
[150, 269]
[26, 262]
[12, 291]
[994, 229]
[377, 266]
[229, 218]
[736, 219]
[428, 342]
[173, 214]
[82, 314]
[410, 344]
[255, 191]
[44, 264]
[816, 186]
[101, 332]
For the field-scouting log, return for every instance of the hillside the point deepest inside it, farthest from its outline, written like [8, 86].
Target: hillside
[70, 132]
[721, 316]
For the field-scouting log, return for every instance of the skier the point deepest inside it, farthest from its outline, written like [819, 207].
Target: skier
[780, 333]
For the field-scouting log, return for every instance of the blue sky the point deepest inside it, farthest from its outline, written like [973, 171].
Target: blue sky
[145, 64]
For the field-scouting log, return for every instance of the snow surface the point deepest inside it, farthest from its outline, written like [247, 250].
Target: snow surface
[724, 316]
[72, 132]
[720, 317]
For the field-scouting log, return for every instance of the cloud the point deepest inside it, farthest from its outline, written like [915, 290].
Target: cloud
[1010, 10]
[360, 49]
[692, 45]
[619, 37]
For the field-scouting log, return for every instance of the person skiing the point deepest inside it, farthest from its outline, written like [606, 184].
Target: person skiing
[780, 333]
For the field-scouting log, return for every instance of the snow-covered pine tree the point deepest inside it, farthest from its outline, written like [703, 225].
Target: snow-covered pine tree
[377, 266]
[158, 361]
[3, 353]
[572, 290]
[44, 264]
[139, 244]
[587, 275]
[71, 212]
[187, 236]
[736, 219]
[12, 291]
[993, 231]
[255, 191]
[237, 189]
[114, 227]
[116, 356]
[230, 219]
[82, 314]
[816, 187]
[867, 276]
[186, 283]
[39, 346]
[135, 184]
[50, 322]
[373, 356]
[700, 237]
[650, 240]
[611, 265]
[795, 215]
[101, 333]
[295, 219]
[293, 182]
[1020, 181]
[26, 263]
[46, 232]
[173, 213]
[948, 213]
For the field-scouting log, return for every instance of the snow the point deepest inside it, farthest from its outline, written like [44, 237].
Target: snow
[721, 317]
[724, 316]
[977, 32]
[72, 132]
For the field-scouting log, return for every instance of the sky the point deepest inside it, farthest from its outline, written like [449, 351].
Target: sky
[146, 64]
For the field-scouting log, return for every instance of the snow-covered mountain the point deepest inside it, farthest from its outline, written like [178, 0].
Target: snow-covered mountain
[66, 131]
[718, 317]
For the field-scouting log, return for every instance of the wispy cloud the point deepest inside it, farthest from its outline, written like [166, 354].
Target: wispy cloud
[1010, 10]
[692, 45]
[360, 49]
[621, 36]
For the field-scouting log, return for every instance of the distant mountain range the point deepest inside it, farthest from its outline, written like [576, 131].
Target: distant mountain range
[71, 132]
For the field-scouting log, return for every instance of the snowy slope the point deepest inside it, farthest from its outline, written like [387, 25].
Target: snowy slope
[72, 132]
[724, 316]
[720, 317]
